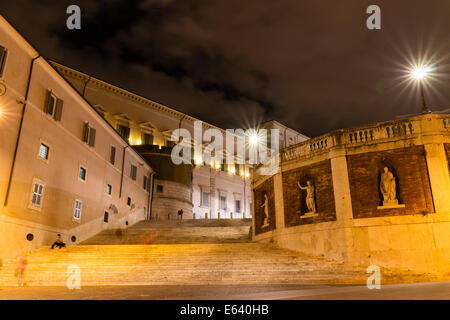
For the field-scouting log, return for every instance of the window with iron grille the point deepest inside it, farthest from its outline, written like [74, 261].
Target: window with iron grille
[82, 174]
[43, 151]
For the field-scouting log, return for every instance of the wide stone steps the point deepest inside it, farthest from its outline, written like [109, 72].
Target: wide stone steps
[188, 264]
[178, 231]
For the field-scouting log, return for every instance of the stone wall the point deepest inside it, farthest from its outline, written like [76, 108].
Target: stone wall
[168, 198]
[413, 234]
[295, 199]
[266, 188]
[409, 168]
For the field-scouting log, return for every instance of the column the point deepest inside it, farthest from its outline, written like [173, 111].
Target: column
[439, 178]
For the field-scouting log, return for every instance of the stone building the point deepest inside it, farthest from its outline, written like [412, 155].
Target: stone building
[380, 195]
[218, 190]
[63, 168]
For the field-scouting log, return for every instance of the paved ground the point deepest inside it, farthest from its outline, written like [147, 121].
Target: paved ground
[430, 290]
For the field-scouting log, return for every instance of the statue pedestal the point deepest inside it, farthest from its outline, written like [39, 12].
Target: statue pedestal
[390, 204]
[309, 215]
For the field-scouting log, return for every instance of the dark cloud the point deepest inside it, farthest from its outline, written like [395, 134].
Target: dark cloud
[312, 65]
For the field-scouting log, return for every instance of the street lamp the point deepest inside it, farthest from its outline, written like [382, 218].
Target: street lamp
[420, 74]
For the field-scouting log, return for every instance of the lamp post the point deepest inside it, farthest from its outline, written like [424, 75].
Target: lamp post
[419, 74]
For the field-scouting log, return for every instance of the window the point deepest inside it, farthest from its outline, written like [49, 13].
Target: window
[129, 201]
[147, 138]
[77, 210]
[82, 174]
[89, 135]
[112, 156]
[43, 151]
[133, 172]
[205, 199]
[223, 203]
[106, 217]
[108, 189]
[238, 206]
[36, 196]
[54, 106]
[124, 131]
[3, 54]
[145, 186]
[159, 188]
[169, 143]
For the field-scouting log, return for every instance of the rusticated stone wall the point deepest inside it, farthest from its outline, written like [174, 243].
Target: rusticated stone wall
[409, 168]
[295, 199]
[265, 188]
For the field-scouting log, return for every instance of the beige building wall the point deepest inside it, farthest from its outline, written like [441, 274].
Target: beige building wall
[59, 173]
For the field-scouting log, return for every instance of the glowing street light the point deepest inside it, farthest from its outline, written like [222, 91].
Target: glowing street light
[253, 139]
[420, 73]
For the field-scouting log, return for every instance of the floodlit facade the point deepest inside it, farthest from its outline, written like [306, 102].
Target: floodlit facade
[218, 190]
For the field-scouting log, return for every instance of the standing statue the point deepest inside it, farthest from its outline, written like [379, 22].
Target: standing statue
[310, 202]
[387, 188]
[266, 211]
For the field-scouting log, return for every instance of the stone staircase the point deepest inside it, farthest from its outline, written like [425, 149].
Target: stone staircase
[178, 231]
[161, 260]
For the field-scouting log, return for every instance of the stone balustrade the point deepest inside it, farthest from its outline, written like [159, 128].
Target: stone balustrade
[376, 133]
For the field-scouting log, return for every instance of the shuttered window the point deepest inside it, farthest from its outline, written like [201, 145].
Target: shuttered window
[36, 196]
[43, 151]
[133, 172]
[89, 135]
[124, 131]
[78, 209]
[112, 156]
[54, 106]
[3, 54]
[145, 186]
[147, 138]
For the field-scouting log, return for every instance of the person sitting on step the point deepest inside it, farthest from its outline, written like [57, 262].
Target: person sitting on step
[59, 243]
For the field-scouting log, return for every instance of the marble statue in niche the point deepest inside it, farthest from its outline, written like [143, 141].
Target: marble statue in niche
[266, 211]
[388, 188]
[310, 201]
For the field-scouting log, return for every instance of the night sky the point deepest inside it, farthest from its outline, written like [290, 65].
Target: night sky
[312, 65]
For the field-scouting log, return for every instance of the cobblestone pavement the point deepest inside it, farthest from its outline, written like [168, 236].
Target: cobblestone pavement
[429, 290]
